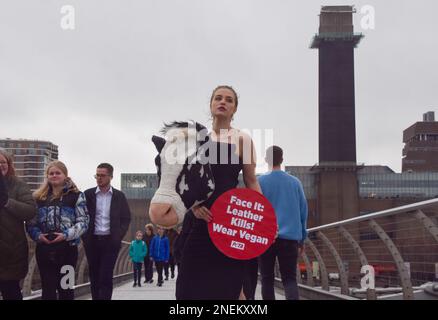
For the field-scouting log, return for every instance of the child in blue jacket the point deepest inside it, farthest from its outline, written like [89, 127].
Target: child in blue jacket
[137, 252]
[159, 252]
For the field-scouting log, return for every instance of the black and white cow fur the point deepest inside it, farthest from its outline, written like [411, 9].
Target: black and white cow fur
[185, 178]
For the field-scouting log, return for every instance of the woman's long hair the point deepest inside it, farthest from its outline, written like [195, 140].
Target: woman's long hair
[42, 193]
[10, 161]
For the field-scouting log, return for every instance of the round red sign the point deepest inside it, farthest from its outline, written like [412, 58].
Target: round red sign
[243, 225]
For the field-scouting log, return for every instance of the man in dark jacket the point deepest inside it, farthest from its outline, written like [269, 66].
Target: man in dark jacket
[109, 221]
[16, 207]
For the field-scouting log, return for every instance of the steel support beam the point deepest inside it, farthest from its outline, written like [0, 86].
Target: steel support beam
[342, 273]
[371, 293]
[322, 268]
[427, 223]
[408, 292]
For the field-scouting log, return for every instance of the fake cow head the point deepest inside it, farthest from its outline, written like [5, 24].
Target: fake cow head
[185, 180]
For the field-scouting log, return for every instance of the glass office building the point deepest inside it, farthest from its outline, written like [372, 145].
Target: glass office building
[398, 185]
[378, 182]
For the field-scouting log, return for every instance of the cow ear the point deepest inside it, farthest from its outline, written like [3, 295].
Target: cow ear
[200, 127]
[202, 133]
[158, 142]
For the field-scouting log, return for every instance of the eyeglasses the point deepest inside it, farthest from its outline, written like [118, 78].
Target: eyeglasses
[100, 176]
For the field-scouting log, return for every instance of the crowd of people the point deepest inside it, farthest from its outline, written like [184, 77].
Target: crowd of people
[152, 249]
[58, 215]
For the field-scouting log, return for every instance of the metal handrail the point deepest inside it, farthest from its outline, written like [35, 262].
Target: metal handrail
[406, 244]
[379, 214]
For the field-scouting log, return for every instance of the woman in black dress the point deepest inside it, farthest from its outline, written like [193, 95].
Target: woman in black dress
[205, 272]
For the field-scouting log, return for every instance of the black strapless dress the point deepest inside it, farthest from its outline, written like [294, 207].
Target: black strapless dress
[205, 273]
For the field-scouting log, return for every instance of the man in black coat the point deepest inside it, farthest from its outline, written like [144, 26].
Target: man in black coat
[109, 221]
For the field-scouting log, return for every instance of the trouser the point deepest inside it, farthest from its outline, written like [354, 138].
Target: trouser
[159, 265]
[137, 271]
[10, 290]
[250, 279]
[102, 256]
[171, 264]
[51, 258]
[287, 253]
[148, 269]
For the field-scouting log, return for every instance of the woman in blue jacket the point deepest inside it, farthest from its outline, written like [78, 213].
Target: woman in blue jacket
[159, 252]
[57, 229]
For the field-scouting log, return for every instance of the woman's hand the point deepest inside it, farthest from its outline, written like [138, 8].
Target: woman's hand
[42, 238]
[203, 213]
[59, 237]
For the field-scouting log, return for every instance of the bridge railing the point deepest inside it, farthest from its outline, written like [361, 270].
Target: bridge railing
[32, 283]
[400, 245]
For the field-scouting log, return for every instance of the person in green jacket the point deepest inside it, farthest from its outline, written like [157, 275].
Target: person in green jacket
[16, 207]
[137, 252]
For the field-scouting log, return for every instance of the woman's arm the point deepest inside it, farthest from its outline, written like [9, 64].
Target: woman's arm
[22, 207]
[82, 220]
[152, 249]
[131, 250]
[33, 229]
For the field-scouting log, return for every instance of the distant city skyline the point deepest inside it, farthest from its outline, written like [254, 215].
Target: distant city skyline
[101, 91]
[30, 158]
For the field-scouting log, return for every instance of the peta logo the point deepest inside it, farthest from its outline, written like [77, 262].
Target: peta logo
[237, 245]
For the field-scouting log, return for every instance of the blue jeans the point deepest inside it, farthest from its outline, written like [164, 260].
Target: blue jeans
[287, 253]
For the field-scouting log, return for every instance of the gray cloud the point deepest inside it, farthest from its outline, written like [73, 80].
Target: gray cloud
[102, 90]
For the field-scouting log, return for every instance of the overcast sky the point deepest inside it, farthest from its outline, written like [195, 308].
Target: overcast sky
[100, 91]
